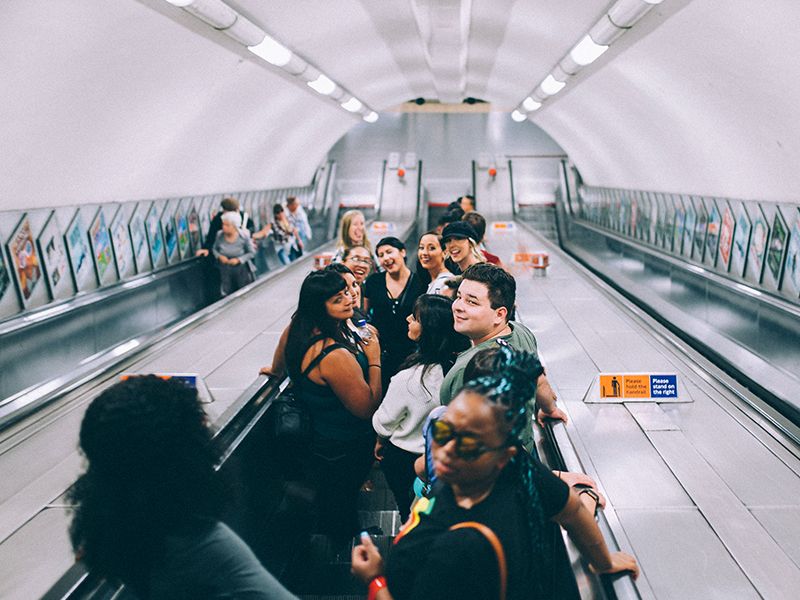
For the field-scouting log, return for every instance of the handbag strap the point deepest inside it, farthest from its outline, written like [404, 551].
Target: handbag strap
[496, 546]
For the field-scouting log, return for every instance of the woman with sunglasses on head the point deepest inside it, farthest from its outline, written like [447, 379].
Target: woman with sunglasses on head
[491, 500]
[390, 297]
[413, 393]
[339, 381]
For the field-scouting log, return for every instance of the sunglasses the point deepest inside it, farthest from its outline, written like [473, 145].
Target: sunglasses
[468, 446]
[363, 261]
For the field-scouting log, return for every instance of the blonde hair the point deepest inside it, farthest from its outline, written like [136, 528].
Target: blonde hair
[344, 235]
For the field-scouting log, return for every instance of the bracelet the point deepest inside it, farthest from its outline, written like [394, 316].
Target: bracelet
[376, 366]
[593, 495]
[559, 474]
[375, 586]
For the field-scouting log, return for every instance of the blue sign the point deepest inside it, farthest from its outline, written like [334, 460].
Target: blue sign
[663, 386]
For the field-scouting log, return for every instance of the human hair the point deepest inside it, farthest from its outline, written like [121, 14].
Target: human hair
[150, 473]
[340, 268]
[439, 343]
[312, 316]
[344, 231]
[434, 234]
[390, 241]
[348, 251]
[277, 209]
[451, 216]
[506, 379]
[230, 204]
[478, 223]
[232, 218]
[290, 200]
[501, 285]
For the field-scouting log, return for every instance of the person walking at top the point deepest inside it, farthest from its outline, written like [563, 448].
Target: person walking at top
[233, 250]
[299, 219]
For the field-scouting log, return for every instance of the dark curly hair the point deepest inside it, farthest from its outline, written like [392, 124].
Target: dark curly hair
[150, 473]
[506, 378]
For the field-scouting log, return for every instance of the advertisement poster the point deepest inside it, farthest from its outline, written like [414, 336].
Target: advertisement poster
[205, 222]
[194, 228]
[655, 222]
[54, 258]
[24, 259]
[154, 236]
[78, 249]
[712, 237]
[777, 247]
[726, 237]
[700, 230]
[139, 242]
[101, 246]
[758, 244]
[680, 224]
[121, 244]
[182, 226]
[792, 273]
[741, 242]
[5, 277]
[668, 222]
[170, 238]
[688, 228]
[633, 217]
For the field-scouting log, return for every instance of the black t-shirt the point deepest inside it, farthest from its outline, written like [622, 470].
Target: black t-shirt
[429, 561]
[389, 318]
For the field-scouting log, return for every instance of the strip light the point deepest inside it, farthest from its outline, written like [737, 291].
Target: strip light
[619, 18]
[223, 18]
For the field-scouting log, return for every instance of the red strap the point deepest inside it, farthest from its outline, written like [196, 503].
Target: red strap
[496, 545]
[375, 586]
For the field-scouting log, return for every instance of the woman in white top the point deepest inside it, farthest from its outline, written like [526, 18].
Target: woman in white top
[413, 393]
[430, 253]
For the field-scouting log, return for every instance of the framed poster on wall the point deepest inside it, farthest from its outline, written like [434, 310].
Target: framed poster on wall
[712, 233]
[155, 237]
[656, 227]
[791, 275]
[170, 235]
[5, 276]
[182, 230]
[24, 260]
[726, 233]
[205, 217]
[680, 225]
[121, 245]
[79, 255]
[102, 252]
[195, 234]
[54, 259]
[700, 230]
[777, 247]
[758, 244]
[632, 220]
[741, 242]
[689, 227]
[668, 221]
[141, 251]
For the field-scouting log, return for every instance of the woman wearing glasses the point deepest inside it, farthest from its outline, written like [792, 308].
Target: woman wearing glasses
[491, 500]
[359, 260]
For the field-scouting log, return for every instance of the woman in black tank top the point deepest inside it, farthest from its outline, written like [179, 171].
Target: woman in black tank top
[340, 383]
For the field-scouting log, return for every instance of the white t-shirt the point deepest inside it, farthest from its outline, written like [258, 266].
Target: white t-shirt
[405, 407]
[437, 285]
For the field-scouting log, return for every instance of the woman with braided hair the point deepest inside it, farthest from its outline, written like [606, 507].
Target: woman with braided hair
[491, 500]
[147, 508]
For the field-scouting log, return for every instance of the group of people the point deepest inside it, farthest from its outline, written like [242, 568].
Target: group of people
[442, 387]
[231, 240]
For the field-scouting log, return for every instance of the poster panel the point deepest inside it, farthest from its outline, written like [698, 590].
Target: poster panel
[700, 230]
[668, 223]
[632, 220]
[195, 233]
[155, 237]
[791, 276]
[102, 253]
[689, 227]
[121, 245]
[206, 215]
[777, 247]
[5, 276]
[141, 251]
[54, 259]
[758, 244]
[712, 233]
[170, 230]
[79, 254]
[726, 234]
[741, 242]
[182, 229]
[680, 225]
[656, 216]
[25, 263]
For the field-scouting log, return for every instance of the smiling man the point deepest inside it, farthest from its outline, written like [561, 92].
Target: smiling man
[481, 309]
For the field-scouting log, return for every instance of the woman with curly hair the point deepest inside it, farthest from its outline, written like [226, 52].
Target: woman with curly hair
[489, 508]
[147, 508]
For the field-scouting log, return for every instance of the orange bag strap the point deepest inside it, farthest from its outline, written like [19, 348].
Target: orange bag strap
[498, 550]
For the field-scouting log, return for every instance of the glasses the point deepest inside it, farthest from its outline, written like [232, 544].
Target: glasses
[468, 445]
[362, 260]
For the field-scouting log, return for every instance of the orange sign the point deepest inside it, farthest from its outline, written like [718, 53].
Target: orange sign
[503, 226]
[638, 386]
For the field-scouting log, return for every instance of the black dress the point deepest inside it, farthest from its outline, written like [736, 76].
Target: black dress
[388, 315]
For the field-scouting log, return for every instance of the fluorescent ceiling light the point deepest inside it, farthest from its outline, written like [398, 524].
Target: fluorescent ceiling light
[518, 116]
[180, 3]
[322, 85]
[587, 51]
[352, 105]
[531, 104]
[271, 51]
[551, 85]
[371, 117]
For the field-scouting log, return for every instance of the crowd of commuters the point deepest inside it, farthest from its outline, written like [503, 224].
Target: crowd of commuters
[442, 388]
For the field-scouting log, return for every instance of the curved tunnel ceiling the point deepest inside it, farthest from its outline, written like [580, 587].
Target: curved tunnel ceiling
[120, 100]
